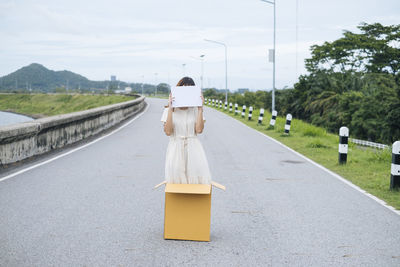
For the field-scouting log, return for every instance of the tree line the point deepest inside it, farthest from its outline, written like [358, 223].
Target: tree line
[353, 81]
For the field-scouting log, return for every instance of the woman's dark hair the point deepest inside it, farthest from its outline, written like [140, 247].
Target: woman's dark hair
[186, 81]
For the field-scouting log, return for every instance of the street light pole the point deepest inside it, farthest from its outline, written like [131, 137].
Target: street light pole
[226, 66]
[155, 75]
[142, 83]
[202, 70]
[183, 67]
[201, 58]
[273, 71]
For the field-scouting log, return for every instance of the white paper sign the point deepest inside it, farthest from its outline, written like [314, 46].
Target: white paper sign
[186, 96]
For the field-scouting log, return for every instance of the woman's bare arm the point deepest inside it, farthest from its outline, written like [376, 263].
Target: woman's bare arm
[168, 126]
[199, 126]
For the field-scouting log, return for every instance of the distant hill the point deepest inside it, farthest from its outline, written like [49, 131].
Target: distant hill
[39, 78]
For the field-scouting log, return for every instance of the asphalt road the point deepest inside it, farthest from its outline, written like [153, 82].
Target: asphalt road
[97, 206]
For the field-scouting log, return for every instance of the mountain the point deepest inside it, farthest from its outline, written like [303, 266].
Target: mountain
[39, 78]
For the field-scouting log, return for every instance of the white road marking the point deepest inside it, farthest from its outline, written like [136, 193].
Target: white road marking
[380, 201]
[75, 149]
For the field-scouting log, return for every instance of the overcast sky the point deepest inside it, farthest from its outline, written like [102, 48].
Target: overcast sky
[134, 38]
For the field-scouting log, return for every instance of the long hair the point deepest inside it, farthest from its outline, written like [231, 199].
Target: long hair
[186, 81]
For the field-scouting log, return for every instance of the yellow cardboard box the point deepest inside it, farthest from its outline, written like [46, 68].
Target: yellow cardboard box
[188, 211]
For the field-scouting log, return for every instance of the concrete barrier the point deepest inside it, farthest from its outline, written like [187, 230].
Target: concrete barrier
[24, 140]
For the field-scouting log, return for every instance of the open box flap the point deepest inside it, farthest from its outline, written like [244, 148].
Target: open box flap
[188, 188]
[160, 184]
[217, 185]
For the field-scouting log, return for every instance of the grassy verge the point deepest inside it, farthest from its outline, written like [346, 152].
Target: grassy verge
[367, 168]
[42, 105]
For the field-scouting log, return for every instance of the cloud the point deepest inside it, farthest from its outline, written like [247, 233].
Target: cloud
[131, 38]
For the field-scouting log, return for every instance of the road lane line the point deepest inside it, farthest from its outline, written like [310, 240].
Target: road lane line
[75, 149]
[380, 201]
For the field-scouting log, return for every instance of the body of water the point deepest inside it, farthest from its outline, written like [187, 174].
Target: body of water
[7, 118]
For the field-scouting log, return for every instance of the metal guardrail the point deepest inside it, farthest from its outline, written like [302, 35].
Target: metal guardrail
[368, 143]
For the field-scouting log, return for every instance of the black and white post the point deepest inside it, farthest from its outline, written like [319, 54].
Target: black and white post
[273, 118]
[236, 109]
[395, 169]
[260, 118]
[243, 110]
[220, 104]
[250, 113]
[288, 122]
[226, 105]
[230, 107]
[343, 144]
[213, 102]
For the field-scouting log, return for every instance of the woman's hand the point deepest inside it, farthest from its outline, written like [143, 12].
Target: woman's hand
[202, 101]
[170, 100]
[199, 125]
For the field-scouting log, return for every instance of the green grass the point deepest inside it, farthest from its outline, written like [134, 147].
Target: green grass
[367, 168]
[42, 105]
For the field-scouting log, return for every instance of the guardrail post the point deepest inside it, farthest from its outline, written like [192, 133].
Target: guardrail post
[395, 168]
[243, 110]
[288, 122]
[226, 105]
[343, 144]
[273, 118]
[230, 107]
[260, 118]
[220, 104]
[250, 112]
[236, 109]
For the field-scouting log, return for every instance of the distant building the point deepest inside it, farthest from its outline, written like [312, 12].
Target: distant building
[242, 90]
[113, 78]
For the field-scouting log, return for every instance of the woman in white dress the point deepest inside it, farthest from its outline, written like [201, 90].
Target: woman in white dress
[185, 162]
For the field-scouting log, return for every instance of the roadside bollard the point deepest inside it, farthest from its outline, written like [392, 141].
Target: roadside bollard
[226, 105]
[230, 107]
[209, 101]
[343, 144]
[250, 112]
[260, 118]
[220, 104]
[236, 109]
[395, 169]
[213, 101]
[273, 118]
[288, 121]
[243, 110]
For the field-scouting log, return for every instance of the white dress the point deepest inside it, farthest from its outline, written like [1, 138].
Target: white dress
[185, 162]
